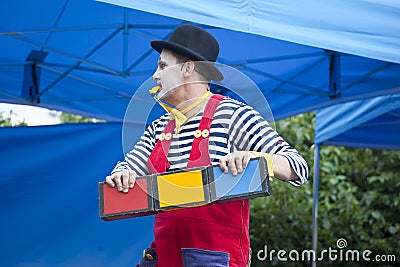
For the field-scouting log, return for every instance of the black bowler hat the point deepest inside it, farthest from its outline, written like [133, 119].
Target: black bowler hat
[196, 44]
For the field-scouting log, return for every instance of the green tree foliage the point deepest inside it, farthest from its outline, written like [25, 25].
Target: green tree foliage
[359, 200]
[71, 118]
[6, 121]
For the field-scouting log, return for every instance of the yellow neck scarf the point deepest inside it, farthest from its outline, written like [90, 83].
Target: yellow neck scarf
[177, 115]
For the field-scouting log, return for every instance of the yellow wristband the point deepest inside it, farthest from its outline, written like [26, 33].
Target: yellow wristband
[268, 158]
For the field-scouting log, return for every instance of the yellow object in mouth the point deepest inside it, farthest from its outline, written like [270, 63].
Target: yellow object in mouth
[178, 116]
[153, 91]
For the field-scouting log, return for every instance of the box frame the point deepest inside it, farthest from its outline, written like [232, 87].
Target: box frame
[264, 182]
[127, 213]
[206, 191]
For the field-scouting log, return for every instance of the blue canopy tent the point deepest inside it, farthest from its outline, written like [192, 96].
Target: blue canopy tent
[369, 123]
[89, 58]
[93, 56]
[49, 214]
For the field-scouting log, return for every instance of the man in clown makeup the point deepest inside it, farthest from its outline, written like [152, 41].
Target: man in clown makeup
[201, 129]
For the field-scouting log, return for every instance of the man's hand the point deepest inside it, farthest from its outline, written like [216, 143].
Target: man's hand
[124, 180]
[235, 161]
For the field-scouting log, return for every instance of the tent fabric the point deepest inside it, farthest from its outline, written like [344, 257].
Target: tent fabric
[96, 55]
[358, 27]
[48, 191]
[373, 123]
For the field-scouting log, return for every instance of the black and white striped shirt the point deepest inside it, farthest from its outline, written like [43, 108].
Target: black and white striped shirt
[235, 127]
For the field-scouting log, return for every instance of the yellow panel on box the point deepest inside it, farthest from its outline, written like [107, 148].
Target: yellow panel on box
[182, 189]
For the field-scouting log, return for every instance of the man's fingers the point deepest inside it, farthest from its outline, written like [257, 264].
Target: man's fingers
[117, 180]
[132, 179]
[232, 165]
[242, 160]
[125, 181]
[223, 163]
[110, 180]
[239, 160]
[246, 159]
[235, 162]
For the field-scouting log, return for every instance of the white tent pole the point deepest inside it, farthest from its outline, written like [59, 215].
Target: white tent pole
[315, 204]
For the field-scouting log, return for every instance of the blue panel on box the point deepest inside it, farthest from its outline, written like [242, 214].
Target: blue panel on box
[246, 182]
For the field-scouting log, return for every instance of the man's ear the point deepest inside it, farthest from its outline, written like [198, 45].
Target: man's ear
[188, 68]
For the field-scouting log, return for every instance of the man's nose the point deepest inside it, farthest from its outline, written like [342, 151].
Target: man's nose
[156, 75]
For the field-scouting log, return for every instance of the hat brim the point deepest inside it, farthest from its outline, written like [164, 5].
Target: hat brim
[213, 72]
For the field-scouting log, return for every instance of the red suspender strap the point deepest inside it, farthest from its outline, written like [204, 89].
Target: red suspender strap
[158, 161]
[199, 155]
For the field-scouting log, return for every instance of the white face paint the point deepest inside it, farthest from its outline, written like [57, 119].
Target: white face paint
[168, 74]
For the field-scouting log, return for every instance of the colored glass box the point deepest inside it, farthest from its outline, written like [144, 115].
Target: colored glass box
[252, 182]
[137, 202]
[181, 189]
[184, 189]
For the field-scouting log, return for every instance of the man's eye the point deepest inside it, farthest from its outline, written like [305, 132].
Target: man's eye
[162, 66]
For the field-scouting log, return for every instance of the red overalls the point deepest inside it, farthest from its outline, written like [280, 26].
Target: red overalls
[217, 227]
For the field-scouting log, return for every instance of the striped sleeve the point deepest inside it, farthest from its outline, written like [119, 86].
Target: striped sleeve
[136, 159]
[250, 132]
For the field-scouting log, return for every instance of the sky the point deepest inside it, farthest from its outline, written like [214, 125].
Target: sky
[33, 116]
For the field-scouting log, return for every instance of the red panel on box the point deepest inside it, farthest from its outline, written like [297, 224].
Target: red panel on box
[135, 199]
